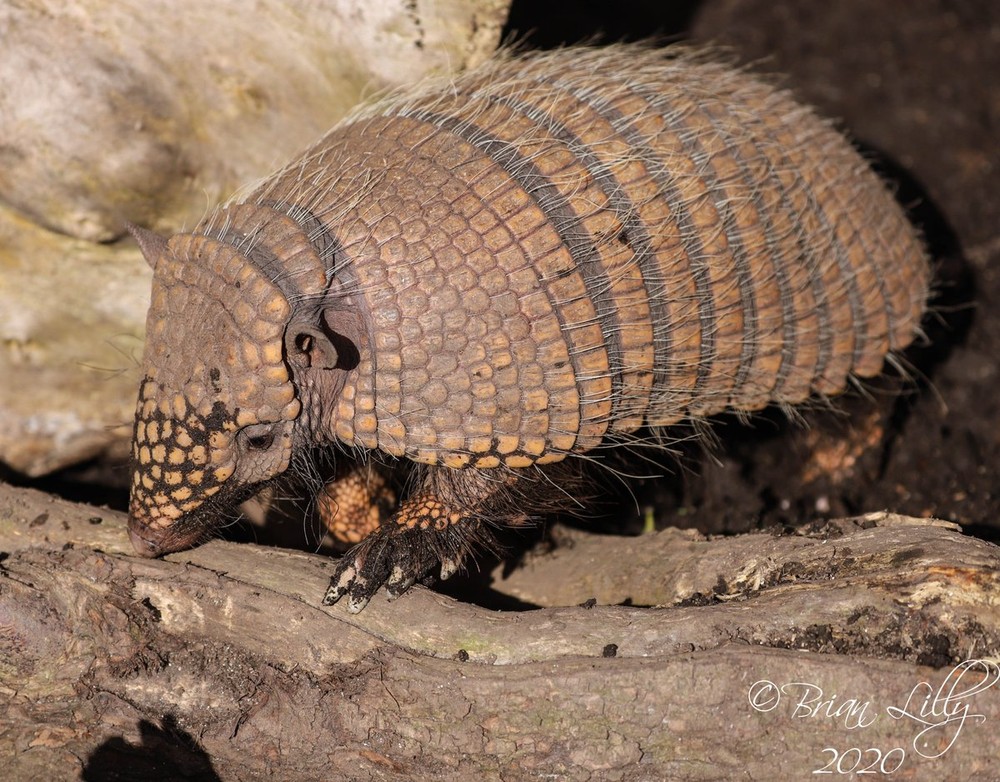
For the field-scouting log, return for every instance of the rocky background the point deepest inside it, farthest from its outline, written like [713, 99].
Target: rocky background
[154, 112]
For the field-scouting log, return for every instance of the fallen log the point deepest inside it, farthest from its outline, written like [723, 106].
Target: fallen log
[861, 643]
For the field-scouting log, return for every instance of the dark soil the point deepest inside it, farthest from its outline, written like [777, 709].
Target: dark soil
[916, 84]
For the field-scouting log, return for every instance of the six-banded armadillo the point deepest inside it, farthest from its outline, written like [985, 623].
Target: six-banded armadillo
[544, 256]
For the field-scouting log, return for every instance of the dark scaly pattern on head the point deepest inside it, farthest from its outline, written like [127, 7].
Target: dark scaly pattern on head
[213, 365]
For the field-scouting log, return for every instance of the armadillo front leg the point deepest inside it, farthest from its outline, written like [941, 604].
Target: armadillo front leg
[356, 503]
[440, 522]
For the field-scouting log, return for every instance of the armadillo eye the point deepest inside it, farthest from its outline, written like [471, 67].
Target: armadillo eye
[258, 438]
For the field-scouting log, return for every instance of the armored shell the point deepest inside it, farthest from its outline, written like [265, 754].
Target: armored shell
[556, 249]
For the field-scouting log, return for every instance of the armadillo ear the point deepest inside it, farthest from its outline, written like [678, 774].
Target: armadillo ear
[328, 344]
[151, 243]
[308, 346]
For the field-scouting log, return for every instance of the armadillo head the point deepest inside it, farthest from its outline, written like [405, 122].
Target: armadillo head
[218, 413]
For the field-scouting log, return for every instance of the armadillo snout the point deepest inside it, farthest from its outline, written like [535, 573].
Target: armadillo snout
[152, 541]
[143, 546]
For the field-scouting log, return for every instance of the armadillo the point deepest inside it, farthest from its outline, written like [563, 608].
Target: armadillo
[492, 276]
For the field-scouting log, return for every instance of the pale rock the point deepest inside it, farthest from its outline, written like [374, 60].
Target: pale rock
[154, 112]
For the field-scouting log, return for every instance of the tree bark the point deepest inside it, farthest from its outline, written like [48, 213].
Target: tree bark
[768, 657]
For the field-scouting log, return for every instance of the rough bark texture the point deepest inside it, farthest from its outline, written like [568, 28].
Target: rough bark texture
[219, 663]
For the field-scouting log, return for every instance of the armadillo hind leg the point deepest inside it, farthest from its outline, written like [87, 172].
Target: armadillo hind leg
[440, 522]
[356, 502]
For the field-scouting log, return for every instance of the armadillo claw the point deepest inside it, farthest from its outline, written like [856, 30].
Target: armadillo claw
[399, 582]
[450, 566]
[357, 604]
[395, 558]
[344, 581]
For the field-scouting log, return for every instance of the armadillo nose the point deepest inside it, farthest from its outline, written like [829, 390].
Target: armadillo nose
[143, 547]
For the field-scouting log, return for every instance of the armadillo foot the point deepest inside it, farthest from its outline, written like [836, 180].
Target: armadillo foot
[438, 524]
[398, 557]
